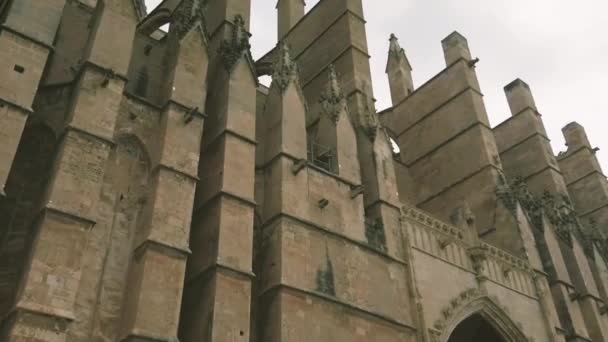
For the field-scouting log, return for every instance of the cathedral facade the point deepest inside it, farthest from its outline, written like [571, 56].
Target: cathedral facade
[153, 190]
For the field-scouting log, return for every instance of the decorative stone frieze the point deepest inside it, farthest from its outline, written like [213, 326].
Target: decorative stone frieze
[431, 222]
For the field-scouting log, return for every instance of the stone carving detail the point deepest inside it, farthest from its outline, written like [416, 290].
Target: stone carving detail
[238, 46]
[490, 306]
[395, 49]
[426, 220]
[506, 194]
[186, 17]
[478, 255]
[285, 70]
[332, 100]
[455, 304]
[368, 118]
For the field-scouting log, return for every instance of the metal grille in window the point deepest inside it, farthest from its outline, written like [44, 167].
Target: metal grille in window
[322, 156]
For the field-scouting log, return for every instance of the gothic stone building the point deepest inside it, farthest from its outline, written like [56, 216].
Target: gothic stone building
[153, 190]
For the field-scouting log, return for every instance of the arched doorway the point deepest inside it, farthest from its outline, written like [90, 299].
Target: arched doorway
[475, 328]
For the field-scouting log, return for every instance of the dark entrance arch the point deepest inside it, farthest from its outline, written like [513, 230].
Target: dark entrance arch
[475, 329]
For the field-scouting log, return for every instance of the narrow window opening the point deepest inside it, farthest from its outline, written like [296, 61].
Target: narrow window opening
[18, 68]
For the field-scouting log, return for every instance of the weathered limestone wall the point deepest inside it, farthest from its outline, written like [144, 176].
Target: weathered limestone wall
[217, 290]
[26, 41]
[449, 150]
[586, 182]
[482, 277]
[525, 149]
[319, 238]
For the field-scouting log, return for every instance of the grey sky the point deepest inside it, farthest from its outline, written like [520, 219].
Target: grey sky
[559, 47]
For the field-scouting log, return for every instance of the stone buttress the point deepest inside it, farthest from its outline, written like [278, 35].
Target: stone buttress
[217, 289]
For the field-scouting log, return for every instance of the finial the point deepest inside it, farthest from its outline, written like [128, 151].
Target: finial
[186, 16]
[394, 46]
[238, 46]
[332, 99]
[368, 119]
[285, 69]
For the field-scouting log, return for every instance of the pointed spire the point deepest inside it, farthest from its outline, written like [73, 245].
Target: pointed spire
[399, 71]
[285, 69]
[396, 51]
[332, 100]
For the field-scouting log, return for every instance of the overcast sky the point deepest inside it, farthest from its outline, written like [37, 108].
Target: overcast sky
[559, 47]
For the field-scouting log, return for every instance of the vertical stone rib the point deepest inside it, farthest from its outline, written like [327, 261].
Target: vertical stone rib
[51, 290]
[26, 43]
[217, 289]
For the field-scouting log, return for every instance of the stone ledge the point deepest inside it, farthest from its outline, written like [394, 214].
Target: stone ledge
[438, 75]
[101, 69]
[444, 143]
[228, 132]
[321, 229]
[438, 108]
[243, 200]
[26, 37]
[83, 132]
[594, 210]
[139, 335]
[162, 247]
[24, 110]
[384, 202]
[522, 141]
[43, 310]
[185, 108]
[165, 167]
[586, 176]
[219, 267]
[335, 300]
[74, 216]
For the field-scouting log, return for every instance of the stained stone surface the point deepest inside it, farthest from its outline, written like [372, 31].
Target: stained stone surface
[152, 190]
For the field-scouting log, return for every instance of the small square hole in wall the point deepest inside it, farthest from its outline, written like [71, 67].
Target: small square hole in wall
[18, 68]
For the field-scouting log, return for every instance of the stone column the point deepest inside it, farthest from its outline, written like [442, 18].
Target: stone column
[586, 182]
[26, 40]
[217, 291]
[399, 71]
[161, 248]
[46, 301]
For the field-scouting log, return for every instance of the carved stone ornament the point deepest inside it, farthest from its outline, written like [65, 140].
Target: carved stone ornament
[237, 46]
[332, 100]
[478, 256]
[592, 237]
[476, 301]
[395, 51]
[506, 194]
[187, 15]
[285, 70]
[448, 311]
[368, 119]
